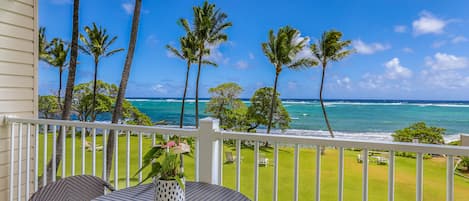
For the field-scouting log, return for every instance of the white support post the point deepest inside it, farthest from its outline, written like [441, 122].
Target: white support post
[209, 148]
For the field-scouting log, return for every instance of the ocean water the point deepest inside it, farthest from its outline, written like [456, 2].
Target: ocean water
[352, 119]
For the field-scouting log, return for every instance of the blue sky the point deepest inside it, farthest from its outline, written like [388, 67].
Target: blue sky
[405, 49]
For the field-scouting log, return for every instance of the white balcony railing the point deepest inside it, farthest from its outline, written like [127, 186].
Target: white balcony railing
[208, 157]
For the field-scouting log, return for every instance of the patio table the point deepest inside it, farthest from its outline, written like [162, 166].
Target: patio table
[194, 191]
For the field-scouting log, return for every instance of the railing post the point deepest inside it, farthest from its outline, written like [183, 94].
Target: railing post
[208, 155]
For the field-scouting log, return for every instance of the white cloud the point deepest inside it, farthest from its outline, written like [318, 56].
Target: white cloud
[446, 79]
[438, 44]
[216, 55]
[128, 7]
[305, 52]
[251, 55]
[394, 70]
[400, 29]
[407, 50]
[344, 82]
[428, 24]
[442, 61]
[160, 89]
[363, 48]
[370, 81]
[459, 39]
[241, 64]
[395, 77]
[61, 2]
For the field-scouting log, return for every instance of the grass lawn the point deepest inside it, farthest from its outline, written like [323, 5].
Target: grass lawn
[434, 173]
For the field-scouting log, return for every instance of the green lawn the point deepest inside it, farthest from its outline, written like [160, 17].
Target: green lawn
[434, 173]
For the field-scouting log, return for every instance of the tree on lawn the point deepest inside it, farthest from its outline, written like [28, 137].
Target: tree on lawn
[224, 99]
[282, 50]
[209, 26]
[330, 48]
[97, 44]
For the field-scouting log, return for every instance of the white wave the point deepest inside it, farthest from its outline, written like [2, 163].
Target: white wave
[441, 105]
[139, 100]
[369, 136]
[362, 103]
[299, 102]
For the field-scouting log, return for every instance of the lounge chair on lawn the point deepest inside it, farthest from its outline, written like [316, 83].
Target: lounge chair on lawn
[359, 158]
[229, 157]
[89, 147]
[264, 161]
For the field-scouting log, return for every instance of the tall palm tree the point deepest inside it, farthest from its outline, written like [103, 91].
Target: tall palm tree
[329, 48]
[67, 109]
[188, 52]
[97, 44]
[117, 113]
[282, 50]
[209, 26]
[58, 58]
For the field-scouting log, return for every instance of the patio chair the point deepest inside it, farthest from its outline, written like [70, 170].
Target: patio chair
[359, 158]
[381, 160]
[76, 188]
[263, 160]
[88, 147]
[229, 157]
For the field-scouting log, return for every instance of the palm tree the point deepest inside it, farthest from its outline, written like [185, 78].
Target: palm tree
[282, 50]
[58, 58]
[97, 44]
[43, 45]
[188, 53]
[209, 24]
[328, 49]
[116, 115]
[67, 109]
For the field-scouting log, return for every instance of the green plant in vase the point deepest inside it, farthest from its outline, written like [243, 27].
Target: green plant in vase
[168, 179]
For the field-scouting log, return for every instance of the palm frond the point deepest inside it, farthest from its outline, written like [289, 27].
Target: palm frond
[110, 53]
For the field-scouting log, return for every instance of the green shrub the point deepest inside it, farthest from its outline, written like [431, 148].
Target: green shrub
[420, 131]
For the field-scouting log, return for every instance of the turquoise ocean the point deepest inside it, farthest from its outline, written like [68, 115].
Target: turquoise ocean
[351, 119]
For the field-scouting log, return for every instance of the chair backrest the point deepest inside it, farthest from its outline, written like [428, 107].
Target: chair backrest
[229, 156]
[82, 187]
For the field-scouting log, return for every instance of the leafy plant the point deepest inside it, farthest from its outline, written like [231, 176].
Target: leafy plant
[425, 134]
[164, 161]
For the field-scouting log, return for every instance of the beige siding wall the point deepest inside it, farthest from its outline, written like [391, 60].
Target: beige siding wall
[18, 77]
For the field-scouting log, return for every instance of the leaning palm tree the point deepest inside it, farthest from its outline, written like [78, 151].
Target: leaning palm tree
[282, 51]
[116, 115]
[188, 53]
[328, 49]
[67, 108]
[58, 58]
[209, 24]
[96, 44]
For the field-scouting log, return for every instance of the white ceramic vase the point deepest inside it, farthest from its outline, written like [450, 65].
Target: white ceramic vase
[168, 190]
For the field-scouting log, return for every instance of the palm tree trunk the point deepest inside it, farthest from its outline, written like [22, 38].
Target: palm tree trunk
[271, 114]
[322, 102]
[68, 91]
[197, 88]
[181, 118]
[272, 106]
[95, 87]
[60, 88]
[123, 85]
